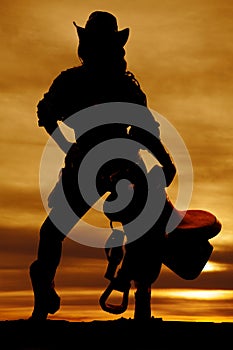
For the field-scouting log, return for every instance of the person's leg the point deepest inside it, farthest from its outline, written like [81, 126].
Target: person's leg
[43, 270]
[142, 306]
[147, 270]
[146, 274]
[142, 264]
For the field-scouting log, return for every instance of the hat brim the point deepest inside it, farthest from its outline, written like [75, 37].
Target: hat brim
[121, 35]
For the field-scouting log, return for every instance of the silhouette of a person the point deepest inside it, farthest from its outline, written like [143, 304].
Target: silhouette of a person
[102, 77]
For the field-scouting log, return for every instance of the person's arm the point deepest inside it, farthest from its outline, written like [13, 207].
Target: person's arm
[156, 147]
[55, 132]
[51, 109]
[165, 160]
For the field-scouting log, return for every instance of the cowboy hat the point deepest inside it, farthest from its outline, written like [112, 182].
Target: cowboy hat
[104, 24]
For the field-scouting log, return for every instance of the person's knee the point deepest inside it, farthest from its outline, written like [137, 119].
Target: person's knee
[34, 268]
[143, 286]
[49, 231]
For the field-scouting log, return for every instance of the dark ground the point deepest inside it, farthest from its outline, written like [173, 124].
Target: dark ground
[119, 334]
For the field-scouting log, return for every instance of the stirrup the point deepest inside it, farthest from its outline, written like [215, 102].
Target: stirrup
[113, 308]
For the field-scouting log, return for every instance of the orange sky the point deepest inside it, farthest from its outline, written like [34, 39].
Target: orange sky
[181, 52]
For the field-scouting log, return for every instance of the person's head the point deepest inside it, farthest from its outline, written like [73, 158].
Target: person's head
[100, 41]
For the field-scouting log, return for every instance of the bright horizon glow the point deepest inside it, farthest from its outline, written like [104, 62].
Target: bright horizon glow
[74, 307]
[212, 267]
[181, 53]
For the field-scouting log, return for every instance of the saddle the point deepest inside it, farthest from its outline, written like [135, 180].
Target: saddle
[186, 250]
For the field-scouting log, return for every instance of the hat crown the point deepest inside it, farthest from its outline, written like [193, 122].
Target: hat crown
[100, 21]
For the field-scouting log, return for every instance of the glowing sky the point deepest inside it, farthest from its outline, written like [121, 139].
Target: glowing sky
[182, 53]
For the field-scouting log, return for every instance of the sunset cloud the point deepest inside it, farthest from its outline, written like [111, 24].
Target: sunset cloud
[182, 55]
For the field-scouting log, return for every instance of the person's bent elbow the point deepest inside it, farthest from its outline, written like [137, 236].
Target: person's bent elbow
[170, 174]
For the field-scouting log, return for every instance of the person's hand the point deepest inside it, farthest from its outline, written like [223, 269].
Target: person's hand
[73, 155]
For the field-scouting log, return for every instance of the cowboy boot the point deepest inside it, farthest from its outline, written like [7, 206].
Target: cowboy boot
[46, 300]
[142, 310]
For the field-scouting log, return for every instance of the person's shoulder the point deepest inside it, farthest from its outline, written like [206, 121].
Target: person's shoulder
[73, 71]
[68, 75]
